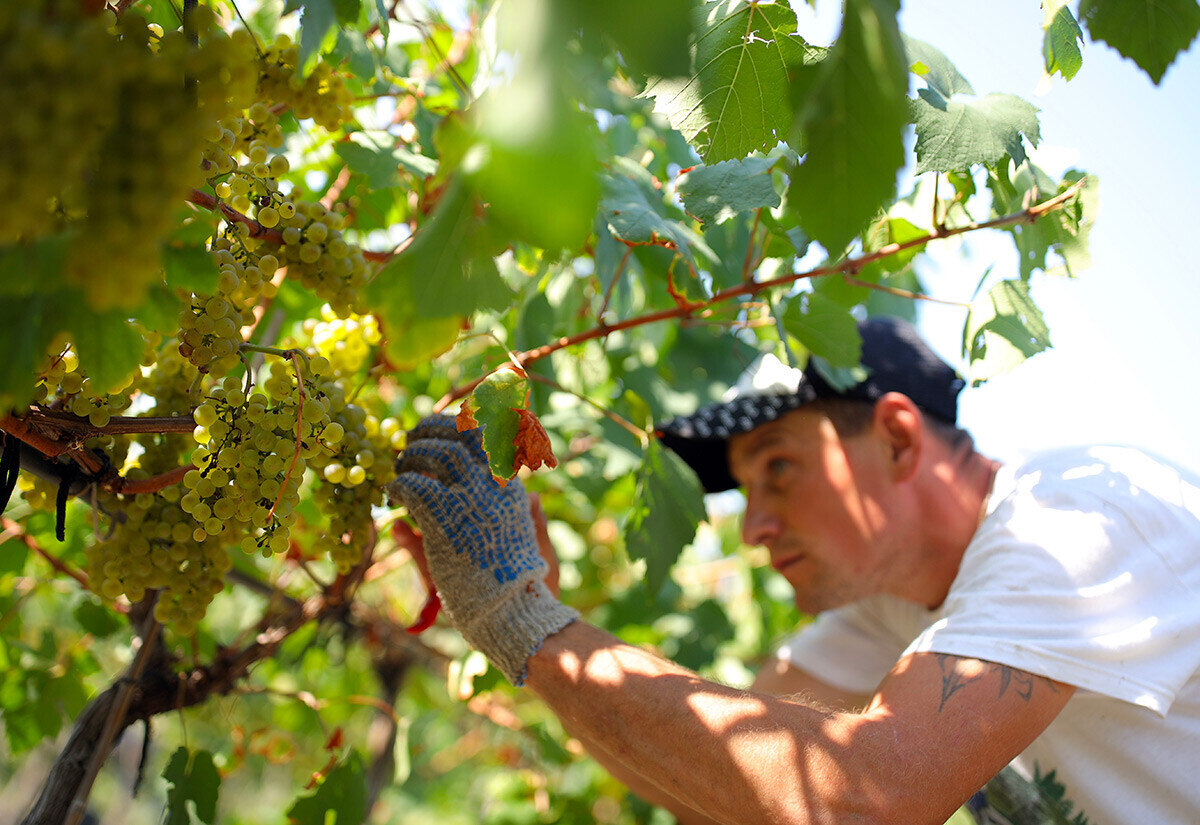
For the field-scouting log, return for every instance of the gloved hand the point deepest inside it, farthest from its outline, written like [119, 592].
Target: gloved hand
[480, 543]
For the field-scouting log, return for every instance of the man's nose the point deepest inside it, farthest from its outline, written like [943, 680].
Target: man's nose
[759, 525]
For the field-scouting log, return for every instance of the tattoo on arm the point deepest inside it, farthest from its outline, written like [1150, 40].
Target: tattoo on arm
[1010, 678]
[952, 680]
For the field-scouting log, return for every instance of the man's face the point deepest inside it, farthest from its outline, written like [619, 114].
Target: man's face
[821, 505]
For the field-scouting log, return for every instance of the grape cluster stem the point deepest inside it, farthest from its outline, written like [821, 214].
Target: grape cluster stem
[257, 230]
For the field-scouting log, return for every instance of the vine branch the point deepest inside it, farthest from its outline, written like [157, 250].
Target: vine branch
[849, 266]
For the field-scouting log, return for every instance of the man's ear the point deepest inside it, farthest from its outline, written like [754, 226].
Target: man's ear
[899, 423]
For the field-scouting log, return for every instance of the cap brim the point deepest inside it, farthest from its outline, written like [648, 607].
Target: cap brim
[702, 438]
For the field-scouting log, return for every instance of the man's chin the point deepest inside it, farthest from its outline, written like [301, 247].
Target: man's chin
[814, 603]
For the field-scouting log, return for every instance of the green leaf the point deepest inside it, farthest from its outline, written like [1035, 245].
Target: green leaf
[161, 311]
[38, 305]
[1003, 328]
[535, 160]
[953, 135]
[1061, 42]
[97, 619]
[109, 346]
[13, 555]
[343, 792]
[1065, 231]
[316, 20]
[411, 340]
[651, 37]
[854, 126]
[375, 156]
[347, 11]
[636, 214]
[448, 269]
[719, 192]
[668, 507]
[192, 779]
[493, 404]
[353, 48]
[1151, 33]
[935, 68]
[737, 99]
[825, 328]
[190, 268]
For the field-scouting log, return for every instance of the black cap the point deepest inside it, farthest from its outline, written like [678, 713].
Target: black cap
[895, 360]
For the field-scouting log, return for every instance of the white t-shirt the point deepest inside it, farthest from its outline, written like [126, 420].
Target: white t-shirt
[1086, 569]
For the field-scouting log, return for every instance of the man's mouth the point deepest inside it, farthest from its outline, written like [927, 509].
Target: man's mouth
[786, 561]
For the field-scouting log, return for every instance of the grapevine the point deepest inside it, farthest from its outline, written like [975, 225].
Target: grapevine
[244, 250]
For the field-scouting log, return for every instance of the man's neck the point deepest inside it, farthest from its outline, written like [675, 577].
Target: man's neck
[957, 504]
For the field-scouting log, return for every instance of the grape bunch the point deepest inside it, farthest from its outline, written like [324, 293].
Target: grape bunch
[104, 132]
[317, 254]
[353, 480]
[210, 325]
[345, 342]
[322, 95]
[54, 104]
[252, 454]
[152, 544]
[63, 386]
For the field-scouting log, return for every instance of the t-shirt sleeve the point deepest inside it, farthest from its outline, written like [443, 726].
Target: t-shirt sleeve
[1083, 582]
[853, 647]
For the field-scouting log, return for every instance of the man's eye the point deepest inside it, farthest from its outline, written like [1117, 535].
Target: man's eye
[777, 466]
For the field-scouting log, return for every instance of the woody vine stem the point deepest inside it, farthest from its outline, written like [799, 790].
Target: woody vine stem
[848, 267]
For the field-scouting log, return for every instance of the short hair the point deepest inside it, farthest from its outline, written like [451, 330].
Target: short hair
[851, 417]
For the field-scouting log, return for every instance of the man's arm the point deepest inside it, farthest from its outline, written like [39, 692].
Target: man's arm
[936, 731]
[777, 678]
[785, 680]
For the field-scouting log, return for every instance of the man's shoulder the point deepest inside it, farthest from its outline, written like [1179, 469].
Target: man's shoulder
[1111, 472]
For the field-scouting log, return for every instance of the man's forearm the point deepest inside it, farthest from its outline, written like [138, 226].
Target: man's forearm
[651, 793]
[738, 757]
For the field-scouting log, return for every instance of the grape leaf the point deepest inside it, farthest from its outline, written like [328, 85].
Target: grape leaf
[854, 126]
[109, 346]
[953, 135]
[1061, 42]
[531, 442]
[316, 21]
[347, 11]
[13, 558]
[1065, 231]
[190, 267]
[352, 47]
[413, 340]
[374, 155]
[635, 216]
[737, 99]
[538, 170]
[1151, 33]
[493, 405]
[343, 792]
[1003, 328]
[97, 619]
[192, 779]
[669, 506]
[714, 194]
[932, 66]
[825, 328]
[651, 37]
[448, 268]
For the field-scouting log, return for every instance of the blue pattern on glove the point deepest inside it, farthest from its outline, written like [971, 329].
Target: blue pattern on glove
[490, 523]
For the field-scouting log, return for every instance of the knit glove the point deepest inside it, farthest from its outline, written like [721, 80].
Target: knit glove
[480, 544]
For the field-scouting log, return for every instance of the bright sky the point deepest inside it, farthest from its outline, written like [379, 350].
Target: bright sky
[1126, 337]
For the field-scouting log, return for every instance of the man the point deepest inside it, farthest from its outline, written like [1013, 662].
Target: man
[970, 614]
